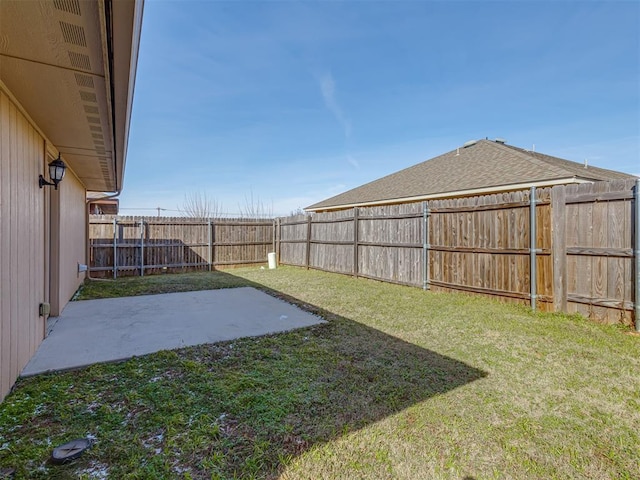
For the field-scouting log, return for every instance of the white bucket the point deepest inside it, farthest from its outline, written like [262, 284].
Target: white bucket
[272, 260]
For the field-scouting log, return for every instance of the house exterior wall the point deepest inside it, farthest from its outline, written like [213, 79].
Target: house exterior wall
[72, 232]
[23, 270]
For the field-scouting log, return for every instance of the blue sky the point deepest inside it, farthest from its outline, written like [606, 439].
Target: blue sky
[293, 102]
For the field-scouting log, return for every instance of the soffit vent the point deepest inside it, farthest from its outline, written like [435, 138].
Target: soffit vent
[98, 136]
[88, 97]
[91, 109]
[69, 6]
[84, 80]
[73, 34]
[80, 60]
[93, 119]
[95, 128]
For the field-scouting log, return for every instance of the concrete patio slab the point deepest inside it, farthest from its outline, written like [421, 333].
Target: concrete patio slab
[94, 331]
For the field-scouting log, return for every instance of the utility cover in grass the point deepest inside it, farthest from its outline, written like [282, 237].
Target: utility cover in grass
[70, 450]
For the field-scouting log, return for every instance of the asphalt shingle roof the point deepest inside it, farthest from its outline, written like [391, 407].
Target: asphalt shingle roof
[482, 165]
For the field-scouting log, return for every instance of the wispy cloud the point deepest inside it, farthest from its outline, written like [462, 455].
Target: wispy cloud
[328, 89]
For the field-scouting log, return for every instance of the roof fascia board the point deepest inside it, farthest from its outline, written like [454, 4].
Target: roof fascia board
[460, 193]
[104, 35]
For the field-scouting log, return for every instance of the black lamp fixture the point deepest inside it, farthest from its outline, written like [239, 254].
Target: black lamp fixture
[56, 172]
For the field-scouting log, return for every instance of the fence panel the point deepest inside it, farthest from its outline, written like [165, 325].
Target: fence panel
[482, 245]
[293, 240]
[241, 241]
[174, 244]
[332, 241]
[148, 245]
[390, 243]
[599, 250]
[101, 252]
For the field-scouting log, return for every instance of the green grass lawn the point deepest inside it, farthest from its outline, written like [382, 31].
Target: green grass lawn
[398, 384]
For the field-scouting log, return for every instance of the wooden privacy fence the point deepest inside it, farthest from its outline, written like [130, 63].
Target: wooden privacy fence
[146, 245]
[566, 248]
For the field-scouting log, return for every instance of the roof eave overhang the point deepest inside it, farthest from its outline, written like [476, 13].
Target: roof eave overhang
[70, 67]
[458, 193]
[123, 27]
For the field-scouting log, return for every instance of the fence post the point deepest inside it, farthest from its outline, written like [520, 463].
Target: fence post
[355, 241]
[273, 236]
[559, 247]
[213, 244]
[532, 248]
[308, 242]
[278, 232]
[636, 255]
[115, 248]
[142, 235]
[425, 245]
[209, 252]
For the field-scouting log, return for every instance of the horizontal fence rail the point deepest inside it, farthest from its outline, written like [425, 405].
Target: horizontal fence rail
[148, 245]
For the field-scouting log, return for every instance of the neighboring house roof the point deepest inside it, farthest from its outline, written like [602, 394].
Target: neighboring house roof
[486, 165]
[102, 204]
[104, 207]
[71, 65]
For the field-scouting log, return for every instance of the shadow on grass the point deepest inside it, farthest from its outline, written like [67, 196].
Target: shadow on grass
[239, 409]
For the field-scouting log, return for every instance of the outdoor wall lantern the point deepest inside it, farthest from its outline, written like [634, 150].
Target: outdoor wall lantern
[56, 172]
